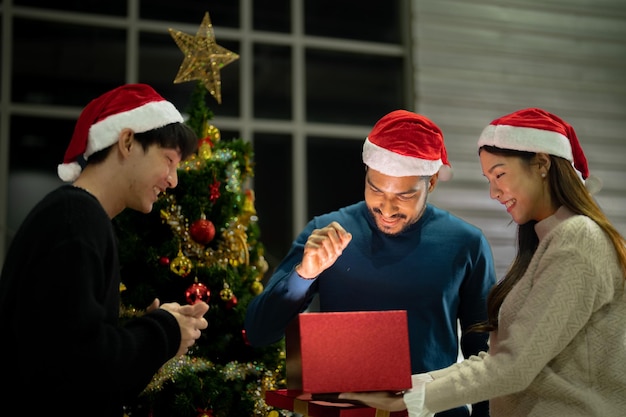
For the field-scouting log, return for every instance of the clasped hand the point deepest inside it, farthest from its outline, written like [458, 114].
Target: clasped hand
[190, 319]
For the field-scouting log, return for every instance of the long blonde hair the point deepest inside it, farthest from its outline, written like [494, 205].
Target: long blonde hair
[566, 190]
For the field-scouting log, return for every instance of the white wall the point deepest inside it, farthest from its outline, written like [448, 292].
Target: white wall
[478, 60]
[25, 190]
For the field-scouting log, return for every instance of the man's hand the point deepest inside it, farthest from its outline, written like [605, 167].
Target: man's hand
[155, 304]
[322, 249]
[190, 320]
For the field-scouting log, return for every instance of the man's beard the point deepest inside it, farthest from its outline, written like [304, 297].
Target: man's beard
[374, 212]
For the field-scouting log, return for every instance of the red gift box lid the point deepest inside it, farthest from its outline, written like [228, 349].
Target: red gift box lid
[301, 403]
[353, 351]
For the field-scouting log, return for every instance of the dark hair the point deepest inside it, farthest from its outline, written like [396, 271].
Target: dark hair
[567, 190]
[172, 136]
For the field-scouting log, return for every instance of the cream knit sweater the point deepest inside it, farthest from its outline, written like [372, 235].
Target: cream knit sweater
[560, 349]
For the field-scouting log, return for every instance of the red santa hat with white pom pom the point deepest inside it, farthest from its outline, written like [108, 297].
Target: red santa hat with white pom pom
[404, 144]
[134, 106]
[536, 130]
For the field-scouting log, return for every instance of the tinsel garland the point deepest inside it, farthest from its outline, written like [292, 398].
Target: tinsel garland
[262, 379]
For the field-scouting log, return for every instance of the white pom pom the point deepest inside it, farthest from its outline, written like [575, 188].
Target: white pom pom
[69, 172]
[593, 184]
[445, 173]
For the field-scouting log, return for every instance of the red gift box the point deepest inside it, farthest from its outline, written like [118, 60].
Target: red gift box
[348, 352]
[301, 403]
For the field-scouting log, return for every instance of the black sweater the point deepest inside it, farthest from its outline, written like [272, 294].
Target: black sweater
[62, 345]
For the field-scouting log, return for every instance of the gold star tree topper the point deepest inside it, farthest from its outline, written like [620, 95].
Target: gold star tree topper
[204, 58]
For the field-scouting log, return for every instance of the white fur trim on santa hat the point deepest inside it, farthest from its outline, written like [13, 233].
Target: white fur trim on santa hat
[150, 116]
[69, 172]
[397, 165]
[593, 184]
[526, 139]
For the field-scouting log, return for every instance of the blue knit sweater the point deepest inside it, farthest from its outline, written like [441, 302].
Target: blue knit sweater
[439, 270]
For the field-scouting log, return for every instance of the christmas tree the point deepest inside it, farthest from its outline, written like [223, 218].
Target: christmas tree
[202, 242]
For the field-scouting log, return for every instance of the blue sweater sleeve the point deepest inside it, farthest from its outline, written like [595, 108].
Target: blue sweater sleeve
[473, 300]
[284, 297]
[473, 309]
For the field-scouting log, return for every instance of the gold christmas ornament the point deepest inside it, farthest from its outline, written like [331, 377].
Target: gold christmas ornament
[204, 58]
[226, 294]
[248, 203]
[205, 149]
[211, 132]
[181, 265]
[263, 265]
[256, 288]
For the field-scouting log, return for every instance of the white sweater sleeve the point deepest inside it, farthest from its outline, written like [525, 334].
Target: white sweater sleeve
[414, 398]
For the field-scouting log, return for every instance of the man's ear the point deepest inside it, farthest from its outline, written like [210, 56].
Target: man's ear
[432, 182]
[125, 141]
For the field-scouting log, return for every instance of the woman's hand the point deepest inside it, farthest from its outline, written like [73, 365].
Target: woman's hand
[382, 400]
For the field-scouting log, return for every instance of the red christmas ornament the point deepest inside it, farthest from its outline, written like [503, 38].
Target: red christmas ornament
[164, 260]
[244, 335]
[205, 412]
[202, 231]
[197, 292]
[231, 303]
[206, 141]
[215, 191]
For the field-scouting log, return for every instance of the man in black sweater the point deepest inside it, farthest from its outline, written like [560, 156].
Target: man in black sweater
[63, 348]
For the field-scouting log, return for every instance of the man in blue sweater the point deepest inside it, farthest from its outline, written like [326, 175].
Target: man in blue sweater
[392, 251]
